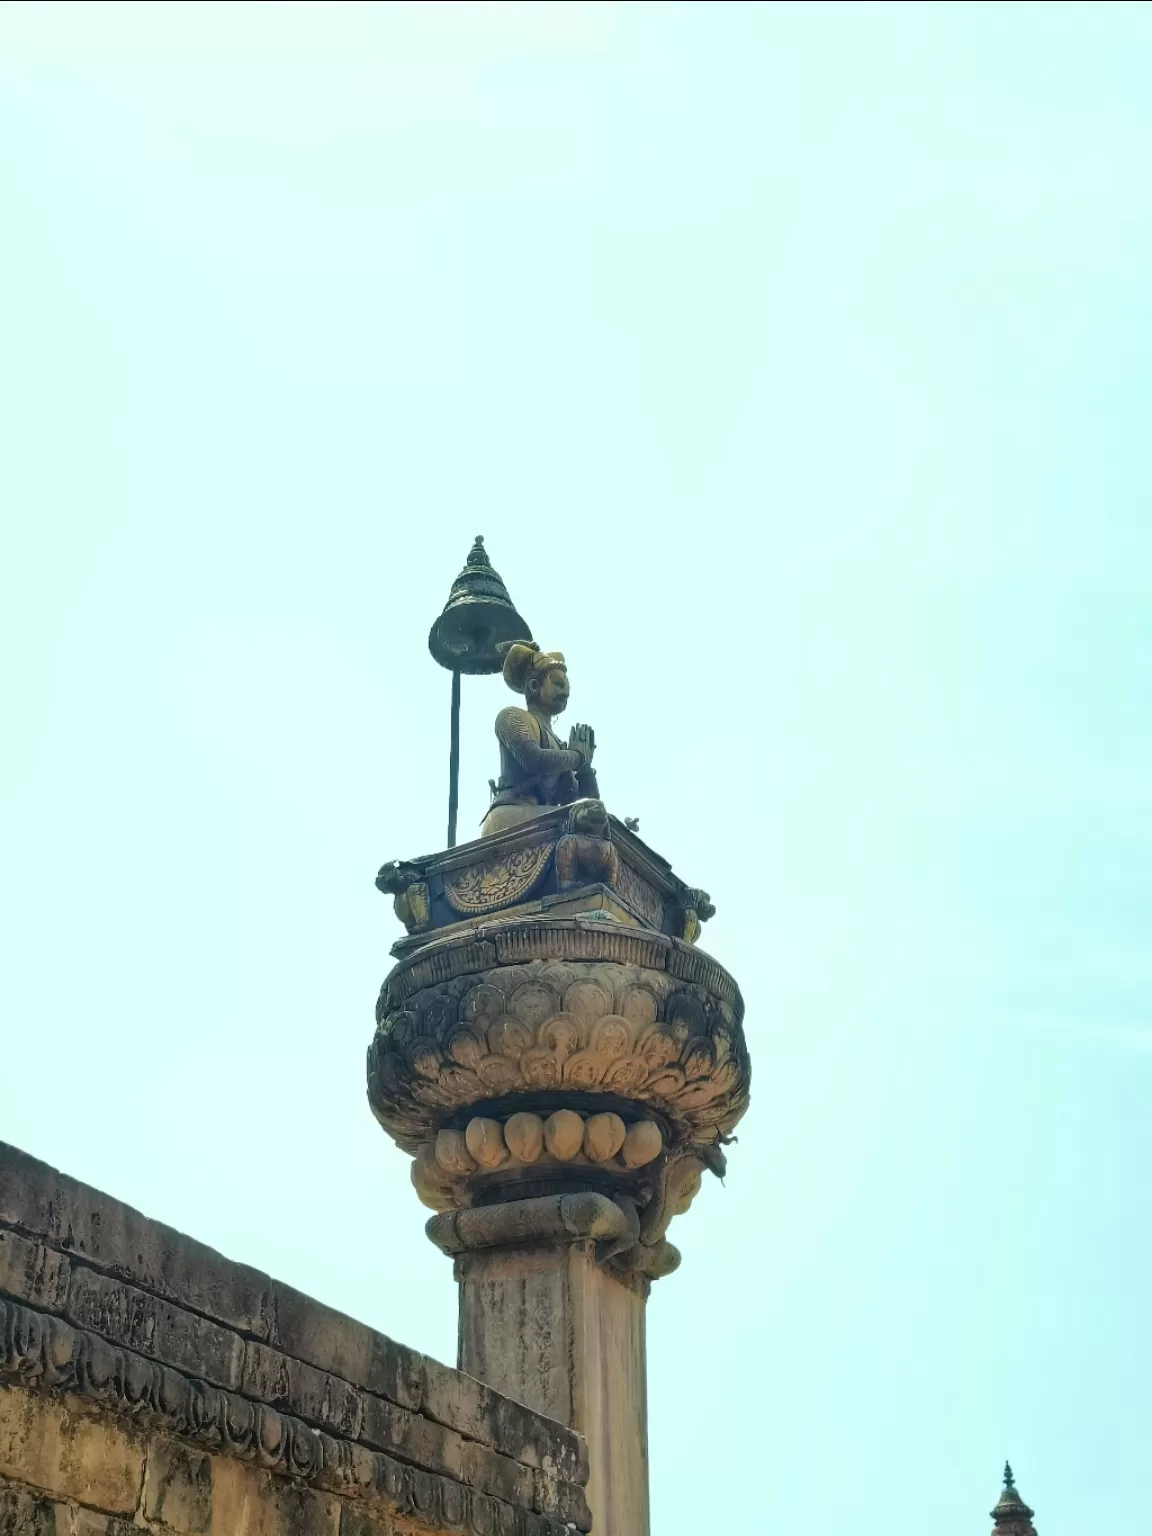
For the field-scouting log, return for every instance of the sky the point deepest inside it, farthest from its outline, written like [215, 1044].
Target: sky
[794, 360]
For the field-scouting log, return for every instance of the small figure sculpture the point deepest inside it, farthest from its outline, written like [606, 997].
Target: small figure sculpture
[585, 853]
[536, 769]
[697, 908]
[403, 882]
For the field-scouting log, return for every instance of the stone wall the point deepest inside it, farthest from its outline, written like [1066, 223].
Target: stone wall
[146, 1382]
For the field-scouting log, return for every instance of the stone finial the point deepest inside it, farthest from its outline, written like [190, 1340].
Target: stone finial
[1011, 1515]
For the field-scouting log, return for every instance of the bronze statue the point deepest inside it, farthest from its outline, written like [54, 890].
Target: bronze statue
[537, 770]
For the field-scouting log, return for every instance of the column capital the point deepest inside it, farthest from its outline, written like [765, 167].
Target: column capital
[543, 1055]
[584, 1217]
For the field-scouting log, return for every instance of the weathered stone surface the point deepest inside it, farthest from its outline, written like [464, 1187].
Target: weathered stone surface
[38, 1350]
[71, 1455]
[586, 1214]
[566, 1502]
[501, 1476]
[550, 1326]
[355, 1521]
[515, 1315]
[461, 1402]
[270, 1377]
[178, 1487]
[333, 1342]
[29, 1514]
[37, 1200]
[90, 1522]
[159, 1394]
[31, 1272]
[248, 1502]
[155, 1328]
[414, 1439]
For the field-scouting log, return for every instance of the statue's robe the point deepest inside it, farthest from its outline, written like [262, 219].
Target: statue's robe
[536, 770]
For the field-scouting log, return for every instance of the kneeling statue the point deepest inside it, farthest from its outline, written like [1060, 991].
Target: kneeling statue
[537, 770]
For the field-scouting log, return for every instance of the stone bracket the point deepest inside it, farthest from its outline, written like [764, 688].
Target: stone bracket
[586, 1215]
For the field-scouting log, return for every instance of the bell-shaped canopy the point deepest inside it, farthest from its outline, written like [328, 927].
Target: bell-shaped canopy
[478, 616]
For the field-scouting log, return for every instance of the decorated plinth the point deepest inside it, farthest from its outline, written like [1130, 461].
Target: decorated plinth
[545, 1033]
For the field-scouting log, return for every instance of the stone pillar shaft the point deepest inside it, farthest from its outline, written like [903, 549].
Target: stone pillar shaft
[548, 1319]
[550, 1326]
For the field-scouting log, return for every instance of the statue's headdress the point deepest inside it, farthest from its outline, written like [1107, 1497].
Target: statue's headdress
[523, 660]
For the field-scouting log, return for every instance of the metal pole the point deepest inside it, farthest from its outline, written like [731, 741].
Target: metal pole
[454, 760]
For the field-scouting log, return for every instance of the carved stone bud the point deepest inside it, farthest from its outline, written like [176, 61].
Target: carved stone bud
[603, 1137]
[524, 1134]
[430, 1181]
[685, 1185]
[564, 1134]
[452, 1153]
[485, 1139]
[642, 1143]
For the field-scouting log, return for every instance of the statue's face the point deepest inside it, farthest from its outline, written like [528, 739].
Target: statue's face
[593, 819]
[552, 693]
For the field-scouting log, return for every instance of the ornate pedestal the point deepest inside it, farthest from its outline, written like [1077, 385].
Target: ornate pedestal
[564, 1066]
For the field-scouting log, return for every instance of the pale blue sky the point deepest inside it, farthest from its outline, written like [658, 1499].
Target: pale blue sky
[795, 362]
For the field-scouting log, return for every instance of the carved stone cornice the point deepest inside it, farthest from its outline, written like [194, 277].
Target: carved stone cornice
[571, 857]
[586, 1217]
[41, 1352]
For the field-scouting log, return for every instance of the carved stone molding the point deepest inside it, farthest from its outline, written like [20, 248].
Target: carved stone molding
[575, 855]
[557, 1218]
[41, 1352]
[499, 882]
[511, 941]
[639, 895]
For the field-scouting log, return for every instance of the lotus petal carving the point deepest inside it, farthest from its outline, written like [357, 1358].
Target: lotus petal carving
[546, 1026]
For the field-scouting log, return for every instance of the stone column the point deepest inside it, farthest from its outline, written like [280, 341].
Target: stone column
[562, 1078]
[545, 1321]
